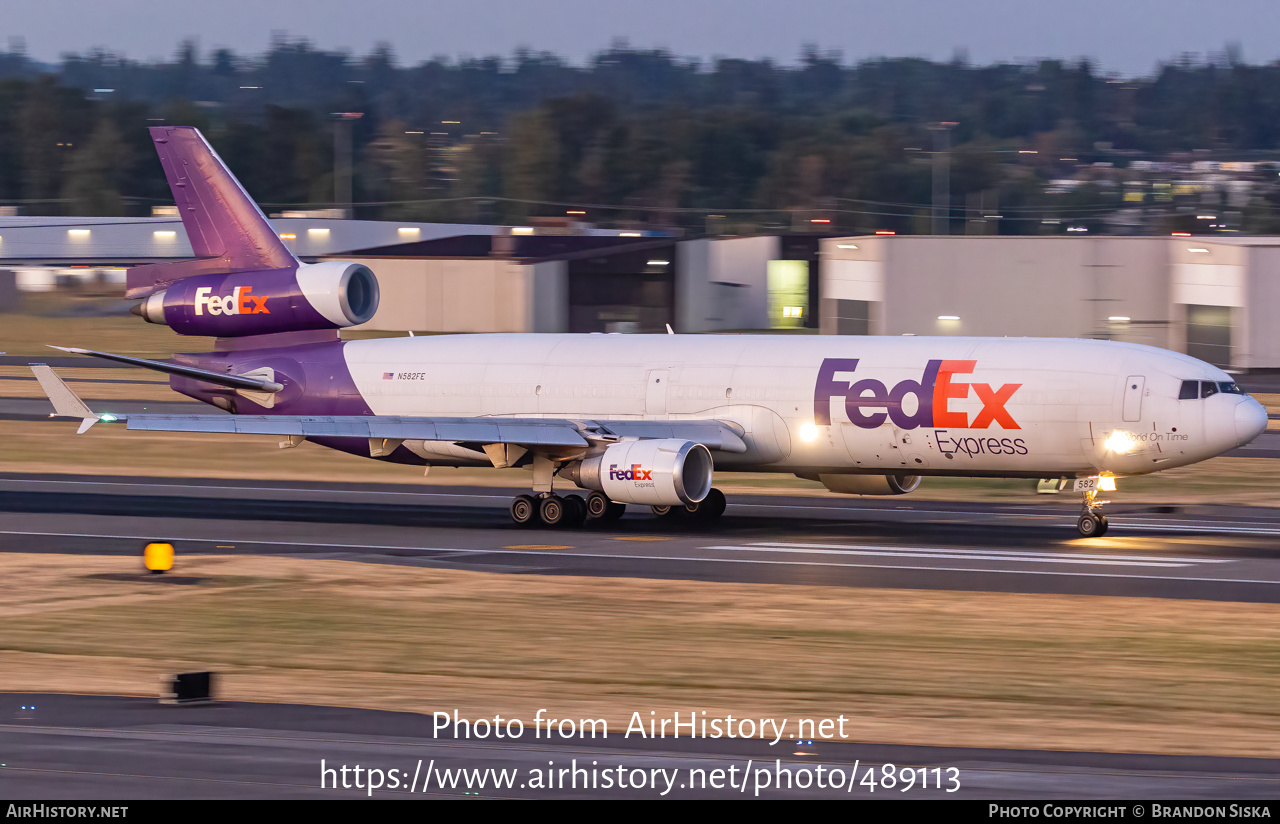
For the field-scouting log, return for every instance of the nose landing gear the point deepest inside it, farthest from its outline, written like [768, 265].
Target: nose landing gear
[1092, 523]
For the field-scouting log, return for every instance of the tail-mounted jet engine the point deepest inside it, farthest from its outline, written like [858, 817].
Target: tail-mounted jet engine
[328, 295]
[668, 472]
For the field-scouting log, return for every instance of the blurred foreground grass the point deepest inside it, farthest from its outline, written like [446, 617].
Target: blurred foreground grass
[912, 667]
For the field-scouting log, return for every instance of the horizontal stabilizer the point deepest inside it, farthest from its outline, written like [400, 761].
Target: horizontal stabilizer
[219, 378]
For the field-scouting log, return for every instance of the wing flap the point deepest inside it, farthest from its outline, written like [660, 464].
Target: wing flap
[711, 434]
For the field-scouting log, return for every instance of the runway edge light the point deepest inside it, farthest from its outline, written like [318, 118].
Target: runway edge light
[158, 557]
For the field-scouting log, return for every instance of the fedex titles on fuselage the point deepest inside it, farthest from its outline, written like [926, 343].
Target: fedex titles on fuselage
[239, 302]
[868, 403]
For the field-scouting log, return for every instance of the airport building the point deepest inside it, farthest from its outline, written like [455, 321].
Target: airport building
[1208, 296]
[515, 283]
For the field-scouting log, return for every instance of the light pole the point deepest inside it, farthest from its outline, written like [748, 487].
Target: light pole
[342, 195]
[942, 177]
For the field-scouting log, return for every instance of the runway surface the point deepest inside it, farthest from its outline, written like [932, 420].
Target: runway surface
[65, 747]
[1216, 553]
[125, 748]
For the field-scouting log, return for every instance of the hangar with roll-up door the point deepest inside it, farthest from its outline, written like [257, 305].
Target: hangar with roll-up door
[1211, 297]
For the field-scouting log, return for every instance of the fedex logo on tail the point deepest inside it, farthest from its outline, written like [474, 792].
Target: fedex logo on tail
[239, 302]
[869, 403]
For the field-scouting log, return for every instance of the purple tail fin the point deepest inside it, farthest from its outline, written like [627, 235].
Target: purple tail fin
[228, 231]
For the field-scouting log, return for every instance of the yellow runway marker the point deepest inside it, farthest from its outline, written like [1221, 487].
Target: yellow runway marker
[642, 538]
[537, 546]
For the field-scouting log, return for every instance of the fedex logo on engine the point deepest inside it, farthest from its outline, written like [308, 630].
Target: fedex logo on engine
[868, 402]
[239, 302]
[635, 472]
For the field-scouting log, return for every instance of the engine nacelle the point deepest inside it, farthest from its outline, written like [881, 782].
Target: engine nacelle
[871, 484]
[328, 295]
[668, 472]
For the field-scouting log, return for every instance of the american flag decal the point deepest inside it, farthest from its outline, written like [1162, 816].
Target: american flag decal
[386, 376]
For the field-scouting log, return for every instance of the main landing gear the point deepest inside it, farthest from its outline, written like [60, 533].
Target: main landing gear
[549, 509]
[1092, 523]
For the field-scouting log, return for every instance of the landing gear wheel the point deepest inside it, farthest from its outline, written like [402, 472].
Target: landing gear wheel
[712, 506]
[598, 505]
[575, 510]
[552, 510]
[600, 508]
[660, 511]
[524, 510]
[1092, 523]
[1091, 526]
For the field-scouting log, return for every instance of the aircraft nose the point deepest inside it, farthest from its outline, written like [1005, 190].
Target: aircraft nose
[1251, 420]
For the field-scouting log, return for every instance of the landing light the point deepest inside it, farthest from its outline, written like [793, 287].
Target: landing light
[1107, 483]
[948, 317]
[1120, 443]
[808, 433]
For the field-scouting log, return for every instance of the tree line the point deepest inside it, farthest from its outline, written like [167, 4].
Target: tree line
[643, 137]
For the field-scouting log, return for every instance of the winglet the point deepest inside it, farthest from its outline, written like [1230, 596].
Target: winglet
[66, 404]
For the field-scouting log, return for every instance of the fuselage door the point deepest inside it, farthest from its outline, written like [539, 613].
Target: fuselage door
[1134, 386]
[655, 395]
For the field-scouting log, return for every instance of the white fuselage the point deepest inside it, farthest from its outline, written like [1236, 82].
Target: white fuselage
[1015, 407]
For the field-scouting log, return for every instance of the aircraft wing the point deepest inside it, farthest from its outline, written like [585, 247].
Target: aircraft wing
[522, 431]
[528, 432]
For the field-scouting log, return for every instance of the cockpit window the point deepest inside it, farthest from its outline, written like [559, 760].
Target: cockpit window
[1191, 390]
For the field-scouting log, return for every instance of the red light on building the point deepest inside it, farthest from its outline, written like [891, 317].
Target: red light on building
[885, 232]
[575, 212]
[819, 220]
[1179, 234]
